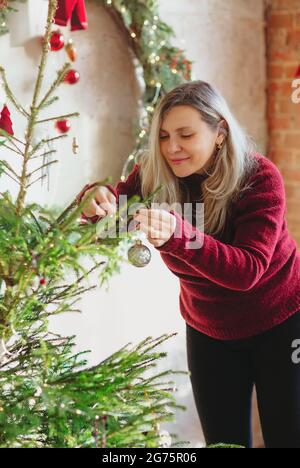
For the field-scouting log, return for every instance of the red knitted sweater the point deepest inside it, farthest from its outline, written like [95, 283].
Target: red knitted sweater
[247, 285]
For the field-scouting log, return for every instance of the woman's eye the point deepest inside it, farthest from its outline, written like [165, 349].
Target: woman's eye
[164, 137]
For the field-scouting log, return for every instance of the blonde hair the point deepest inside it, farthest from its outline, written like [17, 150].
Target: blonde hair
[230, 168]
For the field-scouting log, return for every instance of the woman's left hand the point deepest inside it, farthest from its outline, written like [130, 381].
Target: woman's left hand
[158, 225]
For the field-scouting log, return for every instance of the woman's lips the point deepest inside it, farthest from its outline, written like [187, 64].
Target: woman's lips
[179, 161]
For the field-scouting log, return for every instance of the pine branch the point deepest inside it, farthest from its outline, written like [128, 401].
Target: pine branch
[41, 167]
[10, 137]
[10, 94]
[44, 154]
[9, 168]
[61, 117]
[60, 77]
[10, 176]
[11, 149]
[50, 140]
[50, 102]
[36, 180]
[63, 293]
[45, 142]
[16, 146]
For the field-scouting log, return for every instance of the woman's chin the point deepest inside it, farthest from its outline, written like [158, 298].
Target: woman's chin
[183, 171]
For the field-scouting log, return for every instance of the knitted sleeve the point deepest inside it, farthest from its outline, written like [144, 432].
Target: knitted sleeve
[258, 222]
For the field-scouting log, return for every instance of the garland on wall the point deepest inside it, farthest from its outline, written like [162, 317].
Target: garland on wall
[164, 66]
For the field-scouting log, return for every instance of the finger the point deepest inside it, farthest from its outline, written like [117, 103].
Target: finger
[103, 194]
[100, 197]
[95, 209]
[161, 220]
[89, 210]
[154, 215]
[146, 223]
[112, 198]
[157, 224]
[133, 225]
[109, 208]
[149, 231]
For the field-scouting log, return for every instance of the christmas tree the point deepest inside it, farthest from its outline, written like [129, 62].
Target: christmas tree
[49, 397]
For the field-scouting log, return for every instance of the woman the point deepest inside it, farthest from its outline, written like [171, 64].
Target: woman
[240, 280]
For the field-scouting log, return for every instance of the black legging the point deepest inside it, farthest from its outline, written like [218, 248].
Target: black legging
[223, 374]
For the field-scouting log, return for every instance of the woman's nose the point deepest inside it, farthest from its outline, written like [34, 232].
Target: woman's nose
[173, 146]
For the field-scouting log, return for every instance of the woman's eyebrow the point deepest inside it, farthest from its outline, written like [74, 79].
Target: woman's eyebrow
[177, 130]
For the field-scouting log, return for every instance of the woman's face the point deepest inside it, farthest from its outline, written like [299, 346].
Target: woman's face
[186, 141]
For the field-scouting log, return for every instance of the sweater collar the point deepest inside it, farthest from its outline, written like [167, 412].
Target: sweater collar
[195, 179]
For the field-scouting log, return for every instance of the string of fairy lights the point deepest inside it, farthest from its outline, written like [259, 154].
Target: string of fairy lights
[164, 66]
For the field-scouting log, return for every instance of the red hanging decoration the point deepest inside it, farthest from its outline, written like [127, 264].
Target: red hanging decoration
[3, 4]
[71, 50]
[43, 282]
[72, 77]
[63, 126]
[5, 121]
[298, 73]
[73, 10]
[57, 41]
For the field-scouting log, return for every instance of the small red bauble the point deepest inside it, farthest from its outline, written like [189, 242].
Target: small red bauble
[63, 126]
[57, 41]
[72, 77]
[42, 281]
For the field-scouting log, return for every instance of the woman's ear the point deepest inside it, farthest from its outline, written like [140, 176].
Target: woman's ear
[223, 128]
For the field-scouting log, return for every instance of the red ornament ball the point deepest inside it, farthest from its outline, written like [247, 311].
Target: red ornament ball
[72, 77]
[42, 282]
[57, 41]
[63, 126]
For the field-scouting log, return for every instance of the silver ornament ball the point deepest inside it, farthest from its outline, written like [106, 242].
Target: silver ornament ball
[139, 255]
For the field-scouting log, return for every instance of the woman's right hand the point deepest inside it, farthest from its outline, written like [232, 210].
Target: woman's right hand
[103, 203]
